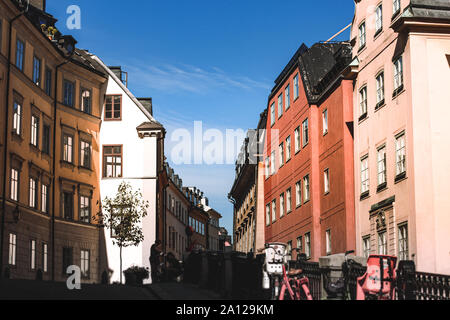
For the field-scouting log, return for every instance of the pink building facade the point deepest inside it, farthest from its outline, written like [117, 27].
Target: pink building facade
[401, 55]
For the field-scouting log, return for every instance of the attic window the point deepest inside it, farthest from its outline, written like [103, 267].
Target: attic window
[113, 107]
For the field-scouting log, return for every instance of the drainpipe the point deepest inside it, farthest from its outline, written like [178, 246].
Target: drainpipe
[5, 156]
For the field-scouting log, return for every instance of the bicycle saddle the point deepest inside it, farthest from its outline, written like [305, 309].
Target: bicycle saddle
[295, 272]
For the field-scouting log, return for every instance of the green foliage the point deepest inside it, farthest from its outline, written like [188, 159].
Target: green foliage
[123, 215]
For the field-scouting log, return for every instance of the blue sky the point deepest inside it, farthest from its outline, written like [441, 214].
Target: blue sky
[203, 60]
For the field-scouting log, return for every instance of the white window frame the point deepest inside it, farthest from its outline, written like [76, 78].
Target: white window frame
[328, 242]
[298, 193]
[288, 200]
[305, 132]
[296, 86]
[280, 105]
[32, 200]
[365, 182]
[34, 131]
[382, 243]
[306, 189]
[325, 122]
[398, 73]
[282, 205]
[281, 154]
[363, 101]
[33, 254]
[326, 181]
[381, 158]
[274, 211]
[12, 252]
[366, 246]
[308, 244]
[380, 87]
[288, 148]
[268, 220]
[14, 182]
[395, 6]
[400, 153]
[403, 246]
[362, 34]
[272, 114]
[287, 96]
[297, 141]
[17, 118]
[379, 18]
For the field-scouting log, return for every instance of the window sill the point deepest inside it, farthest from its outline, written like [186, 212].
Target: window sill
[395, 15]
[298, 206]
[325, 133]
[362, 118]
[85, 168]
[288, 160]
[398, 92]
[364, 196]
[361, 49]
[381, 187]
[377, 33]
[400, 177]
[306, 201]
[16, 136]
[67, 164]
[288, 212]
[379, 105]
[326, 193]
[305, 145]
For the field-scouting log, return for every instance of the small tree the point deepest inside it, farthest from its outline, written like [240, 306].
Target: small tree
[123, 215]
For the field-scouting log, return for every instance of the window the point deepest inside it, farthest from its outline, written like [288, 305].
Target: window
[67, 205]
[33, 193]
[296, 91]
[12, 249]
[288, 200]
[289, 248]
[288, 148]
[274, 210]
[67, 258]
[382, 243]
[325, 122]
[37, 71]
[363, 102]
[33, 254]
[400, 154]
[281, 153]
[282, 205]
[380, 89]
[395, 7]
[85, 154]
[84, 264]
[365, 175]
[44, 198]
[69, 93]
[267, 214]
[328, 242]
[35, 131]
[300, 244]
[280, 105]
[272, 114]
[85, 209]
[305, 132]
[46, 139]
[298, 194]
[381, 166]
[44, 257]
[378, 19]
[362, 35]
[48, 81]
[272, 163]
[267, 167]
[113, 107]
[306, 189]
[14, 184]
[112, 161]
[68, 148]
[366, 246]
[403, 252]
[297, 139]
[20, 54]
[326, 181]
[398, 75]
[308, 245]
[17, 118]
[287, 96]
[86, 101]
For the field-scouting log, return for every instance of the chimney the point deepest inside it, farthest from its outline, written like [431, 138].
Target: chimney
[123, 76]
[40, 4]
[147, 103]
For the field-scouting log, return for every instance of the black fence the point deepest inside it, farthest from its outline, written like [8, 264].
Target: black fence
[239, 276]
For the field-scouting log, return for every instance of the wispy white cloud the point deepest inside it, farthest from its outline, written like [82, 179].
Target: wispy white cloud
[171, 78]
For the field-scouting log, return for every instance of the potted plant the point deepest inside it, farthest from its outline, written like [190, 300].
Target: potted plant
[135, 275]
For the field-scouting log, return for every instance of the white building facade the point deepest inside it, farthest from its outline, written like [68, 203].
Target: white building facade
[131, 141]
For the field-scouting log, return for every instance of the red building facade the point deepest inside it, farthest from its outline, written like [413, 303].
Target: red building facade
[308, 189]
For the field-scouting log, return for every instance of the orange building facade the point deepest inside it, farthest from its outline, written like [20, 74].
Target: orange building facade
[50, 193]
[308, 188]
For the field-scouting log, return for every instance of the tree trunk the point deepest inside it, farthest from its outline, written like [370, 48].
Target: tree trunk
[120, 264]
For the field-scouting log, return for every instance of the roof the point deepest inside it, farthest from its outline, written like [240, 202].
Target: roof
[437, 9]
[321, 65]
[150, 126]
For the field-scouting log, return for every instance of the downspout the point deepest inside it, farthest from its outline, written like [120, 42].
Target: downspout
[5, 157]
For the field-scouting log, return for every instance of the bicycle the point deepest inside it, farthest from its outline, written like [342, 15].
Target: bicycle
[379, 282]
[293, 281]
[341, 289]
